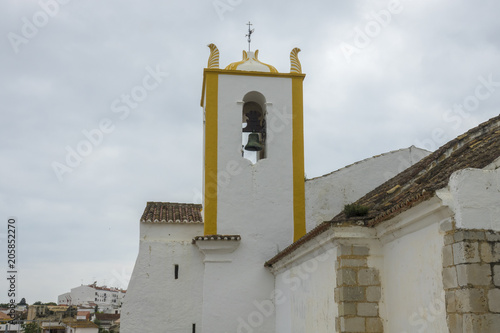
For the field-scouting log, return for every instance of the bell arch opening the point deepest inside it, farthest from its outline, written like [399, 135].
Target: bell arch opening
[253, 128]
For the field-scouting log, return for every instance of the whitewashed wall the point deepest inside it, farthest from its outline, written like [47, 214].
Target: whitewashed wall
[327, 195]
[304, 295]
[412, 288]
[476, 198]
[155, 300]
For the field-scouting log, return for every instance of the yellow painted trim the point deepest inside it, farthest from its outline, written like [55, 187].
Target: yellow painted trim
[299, 196]
[211, 85]
[237, 72]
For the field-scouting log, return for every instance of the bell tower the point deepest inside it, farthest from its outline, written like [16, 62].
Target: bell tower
[253, 148]
[253, 185]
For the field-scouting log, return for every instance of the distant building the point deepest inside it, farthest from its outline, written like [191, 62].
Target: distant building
[83, 315]
[106, 320]
[10, 328]
[90, 295]
[81, 326]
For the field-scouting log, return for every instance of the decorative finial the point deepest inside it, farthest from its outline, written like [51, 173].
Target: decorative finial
[295, 66]
[213, 59]
[249, 35]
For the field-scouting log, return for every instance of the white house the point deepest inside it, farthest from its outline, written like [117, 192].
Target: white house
[417, 251]
[80, 326]
[104, 297]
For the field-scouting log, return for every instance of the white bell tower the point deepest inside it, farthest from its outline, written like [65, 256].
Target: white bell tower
[254, 200]
[250, 97]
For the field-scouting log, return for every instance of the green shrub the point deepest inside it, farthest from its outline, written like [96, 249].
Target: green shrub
[351, 210]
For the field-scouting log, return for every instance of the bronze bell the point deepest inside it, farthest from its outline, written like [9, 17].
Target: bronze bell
[253, 142]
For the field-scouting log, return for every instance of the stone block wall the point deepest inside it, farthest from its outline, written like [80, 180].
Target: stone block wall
[358, 291]
[471, 279]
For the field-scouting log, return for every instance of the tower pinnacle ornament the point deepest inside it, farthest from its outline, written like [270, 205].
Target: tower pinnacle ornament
[249, 35]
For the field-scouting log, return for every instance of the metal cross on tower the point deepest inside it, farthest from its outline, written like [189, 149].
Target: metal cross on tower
[249, 35]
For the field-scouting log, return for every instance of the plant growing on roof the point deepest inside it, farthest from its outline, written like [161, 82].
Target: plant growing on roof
[351, 210]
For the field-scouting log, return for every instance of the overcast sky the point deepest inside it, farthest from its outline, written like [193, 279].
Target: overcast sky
[380, 76]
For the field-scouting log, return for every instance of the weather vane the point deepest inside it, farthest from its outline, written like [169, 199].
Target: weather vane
[249, 35]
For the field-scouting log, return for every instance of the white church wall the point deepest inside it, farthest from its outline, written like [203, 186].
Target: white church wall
[476, 198]
[238, 295]
[156, 299]
[304, 292]
[327, 195]
[412, 288]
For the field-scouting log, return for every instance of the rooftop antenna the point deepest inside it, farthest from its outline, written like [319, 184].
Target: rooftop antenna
[249, 35]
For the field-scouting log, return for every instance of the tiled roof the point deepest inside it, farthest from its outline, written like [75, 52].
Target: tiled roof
[4, 317]
[171, 212]
[476, 148]
[82, 324]
[217, 237]
[107, 316]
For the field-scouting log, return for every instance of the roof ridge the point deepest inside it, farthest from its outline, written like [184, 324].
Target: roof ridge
[428, 173]
[367, 159]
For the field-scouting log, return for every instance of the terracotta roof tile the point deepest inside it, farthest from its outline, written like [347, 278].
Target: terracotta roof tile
[82, 324]
[170, 212]
[4, 317]
[217, 237]
[107, 316]
[476, 148]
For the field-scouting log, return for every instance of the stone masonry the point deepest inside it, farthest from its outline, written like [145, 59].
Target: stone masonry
[471, 279]
[358, 291]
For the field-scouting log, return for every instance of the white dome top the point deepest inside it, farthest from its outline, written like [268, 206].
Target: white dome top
[251, 63]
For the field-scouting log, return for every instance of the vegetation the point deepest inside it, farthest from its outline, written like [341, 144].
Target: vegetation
[351, 210]
[40, 303]
[32, 328]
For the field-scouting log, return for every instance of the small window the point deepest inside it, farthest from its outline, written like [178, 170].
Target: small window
[176, 271]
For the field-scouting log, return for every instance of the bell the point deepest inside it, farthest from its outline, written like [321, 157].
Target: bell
[253, 142]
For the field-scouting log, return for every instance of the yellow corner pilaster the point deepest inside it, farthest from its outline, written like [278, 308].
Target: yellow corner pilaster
[299, 197]
[211, 131]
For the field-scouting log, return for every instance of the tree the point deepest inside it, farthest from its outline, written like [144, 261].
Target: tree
[37, 303]
[32, 328]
